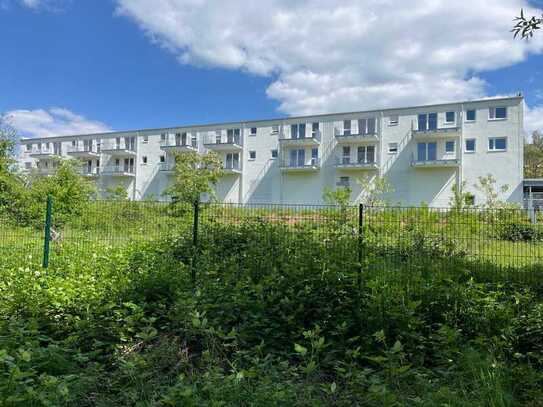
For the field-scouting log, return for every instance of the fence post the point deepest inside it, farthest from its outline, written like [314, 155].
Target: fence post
[47, 237]
[195, 240]
[360, 245]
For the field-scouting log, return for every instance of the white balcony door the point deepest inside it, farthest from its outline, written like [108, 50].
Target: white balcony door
[297, 158]
[427, 151]
[346, 156]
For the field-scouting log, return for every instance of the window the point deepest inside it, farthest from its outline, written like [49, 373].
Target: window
[297, 158]
[427, 121]
[144, 159]
[365, 154]
[470, 145]
[366, 126]
[194, 141]
[162, 159]
[252, 155]
[393, 120]
[314, 156]
[232, 161]
[163, 137]
[145, 139]
[346, 155]
[497, 113]
[346, 127]
[253, 131]
[28, 147]
[427, 151]
[470, 115]
[275, 129]
[233, 136]
[314, 129]
[97, 163]
[497, 144]
[297, 130]
[449, 117]
[74, 143]
[274, 154]
[392, 148]
[449, 146]
[343, 182]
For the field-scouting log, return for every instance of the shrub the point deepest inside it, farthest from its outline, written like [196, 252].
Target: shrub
[519, 232]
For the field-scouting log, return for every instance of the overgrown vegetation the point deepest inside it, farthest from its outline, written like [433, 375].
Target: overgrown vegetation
[276, 318]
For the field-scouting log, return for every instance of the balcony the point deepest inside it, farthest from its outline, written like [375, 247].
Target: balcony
[444, 132]
[178, 144]
[167, 168]
[346, 164]
[231, 169]
[343, 138]
[83, 152]
[44, 153]
[223, 144]
[441, 163]
[300, 166]
[119, 171]
[121, 149]
[89, 173]
[46, 171]
[306, 141]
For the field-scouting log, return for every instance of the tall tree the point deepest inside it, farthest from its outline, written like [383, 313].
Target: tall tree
[525, 27]
[533, 156]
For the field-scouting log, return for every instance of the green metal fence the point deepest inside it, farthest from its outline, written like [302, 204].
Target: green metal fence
[349, 241]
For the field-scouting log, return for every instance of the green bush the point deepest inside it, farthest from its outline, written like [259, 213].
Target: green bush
[520, 232]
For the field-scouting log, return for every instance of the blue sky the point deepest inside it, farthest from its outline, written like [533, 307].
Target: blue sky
[79, 66]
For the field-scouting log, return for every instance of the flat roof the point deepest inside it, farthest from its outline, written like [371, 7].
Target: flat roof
[197, 127]
[533, 182]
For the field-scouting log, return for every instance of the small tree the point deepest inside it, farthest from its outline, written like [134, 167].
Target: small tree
[374, 190]
[12, 188]
[487, 186]
[70, 191]
[461, 198]
[117, 193]
[533, 156]
[194, 174]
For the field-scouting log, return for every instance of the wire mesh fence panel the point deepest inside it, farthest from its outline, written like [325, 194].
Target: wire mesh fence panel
[20, 244]
[377, 246]
[114, 224]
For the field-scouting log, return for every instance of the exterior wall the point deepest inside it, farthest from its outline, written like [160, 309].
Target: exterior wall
[265, 178]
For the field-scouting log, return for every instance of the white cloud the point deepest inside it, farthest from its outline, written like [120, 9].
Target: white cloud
[533, 119]
[354, 54]
[52, 122]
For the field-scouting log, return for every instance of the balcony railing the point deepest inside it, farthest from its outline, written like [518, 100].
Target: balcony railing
[343, 137]
[119, 170]
[299, 165]
[348, 163]
[223, 143]
[89, 172]
[166, 167]
[122, 148]
[83, 151]
[232, 168]
[442, 162]
[45, 152]
[437, 132]
[179, 144]
[312, 138]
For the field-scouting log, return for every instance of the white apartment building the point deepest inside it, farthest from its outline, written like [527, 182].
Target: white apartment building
[422, 151]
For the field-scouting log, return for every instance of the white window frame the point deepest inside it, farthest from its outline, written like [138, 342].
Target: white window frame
[274, 130]
[394, 120]
[494, 149]
[146, 138]
[162, 159]
[276, 153]
[454, 146]
[466, 146]
[492, 116]
[251, 134]
[252, 152]
[454, 117]
[393, 148]
[144, 160]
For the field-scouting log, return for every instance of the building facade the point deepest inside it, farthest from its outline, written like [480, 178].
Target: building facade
[422, 152]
